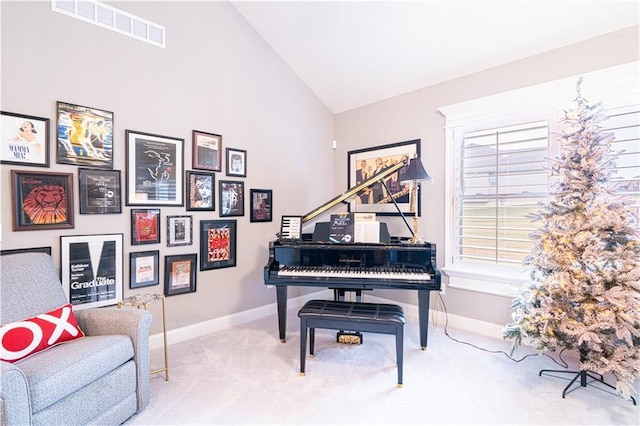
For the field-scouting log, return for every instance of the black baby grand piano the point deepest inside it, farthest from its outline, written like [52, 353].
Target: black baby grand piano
[393, 264]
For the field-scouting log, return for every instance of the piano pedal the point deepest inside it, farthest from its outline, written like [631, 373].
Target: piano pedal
[353, 338]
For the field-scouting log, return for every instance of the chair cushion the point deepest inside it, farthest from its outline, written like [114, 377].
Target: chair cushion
[62, 370]
[24, 338]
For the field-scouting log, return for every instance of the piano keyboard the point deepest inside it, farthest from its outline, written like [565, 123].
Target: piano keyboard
[405, 274]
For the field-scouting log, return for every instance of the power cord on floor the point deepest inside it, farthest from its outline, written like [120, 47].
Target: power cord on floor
[561, 363]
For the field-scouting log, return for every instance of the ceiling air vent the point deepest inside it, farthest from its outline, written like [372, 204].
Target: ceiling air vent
[102, 15]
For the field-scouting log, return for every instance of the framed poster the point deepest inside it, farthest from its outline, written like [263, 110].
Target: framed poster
[179, 274]
[85, 136]
[217, 244]
[154, 169]
[207, 151]
[25, 140]
[200, 191]
[179, 231]
[144, 268]
[261, 205]
[91, 269]
[362, 164]
[231, 198]
[99, 191]
[41, 200]
[236, 162]
[145, 226]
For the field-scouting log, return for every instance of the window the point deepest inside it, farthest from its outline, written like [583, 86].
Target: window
[497, 172]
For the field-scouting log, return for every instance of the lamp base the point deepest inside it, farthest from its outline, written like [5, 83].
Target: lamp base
[416, 240]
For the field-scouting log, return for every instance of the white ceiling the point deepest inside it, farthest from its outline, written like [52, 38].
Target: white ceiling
[353, 53]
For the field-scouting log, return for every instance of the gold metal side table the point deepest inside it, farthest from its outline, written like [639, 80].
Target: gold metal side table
[140, 301]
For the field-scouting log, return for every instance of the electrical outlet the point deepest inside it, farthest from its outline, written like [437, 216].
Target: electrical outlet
[269, 287]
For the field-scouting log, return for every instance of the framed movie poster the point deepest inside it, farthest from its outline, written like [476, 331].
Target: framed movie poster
[145, 226]
[155, 169]
[236, 162]
[144, 268]
[364, 163]
[231, 198]
[179, 274]
[91, 269]
[200, 191]
[179, 231]
[41, 200]
[25, 140]
[207, 151]
[99, 191]
[217, 244]
[85, 136]
[261, 205]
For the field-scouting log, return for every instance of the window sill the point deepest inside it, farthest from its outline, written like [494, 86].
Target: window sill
[497, 282]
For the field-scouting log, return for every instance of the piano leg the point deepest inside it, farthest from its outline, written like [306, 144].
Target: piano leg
[423, 316]
[281, 300]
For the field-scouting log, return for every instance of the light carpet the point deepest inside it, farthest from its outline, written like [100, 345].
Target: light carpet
[244, 375]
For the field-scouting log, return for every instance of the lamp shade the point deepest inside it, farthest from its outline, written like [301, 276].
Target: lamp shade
[416, 172]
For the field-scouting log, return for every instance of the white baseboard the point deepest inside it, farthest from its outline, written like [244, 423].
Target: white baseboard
[203, 328]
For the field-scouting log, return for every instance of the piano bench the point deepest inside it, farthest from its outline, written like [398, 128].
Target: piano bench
[352, 316]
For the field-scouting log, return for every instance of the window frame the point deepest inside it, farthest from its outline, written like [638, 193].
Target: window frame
[615, 87]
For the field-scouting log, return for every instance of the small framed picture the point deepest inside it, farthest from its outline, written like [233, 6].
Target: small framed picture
[179, 231]
[145, 226]
[207, 151]
[290, 228]
[179, 274]
[85, 136]
[144, 268]
[200, 191]
[231, 198]
[41, 200]
[99, 191]
[236, 162]
[25, 140]
[261, 205]
[217, 244]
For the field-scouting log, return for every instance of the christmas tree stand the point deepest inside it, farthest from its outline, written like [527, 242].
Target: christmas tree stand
[582, 375]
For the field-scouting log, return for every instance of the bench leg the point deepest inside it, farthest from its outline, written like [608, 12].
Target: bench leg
[303, 344]
[399, 352]
[312, 341]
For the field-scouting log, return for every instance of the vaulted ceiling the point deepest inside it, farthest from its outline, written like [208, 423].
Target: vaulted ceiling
[352, 53]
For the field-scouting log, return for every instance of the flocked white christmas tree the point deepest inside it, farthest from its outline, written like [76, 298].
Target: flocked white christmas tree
[584, 292]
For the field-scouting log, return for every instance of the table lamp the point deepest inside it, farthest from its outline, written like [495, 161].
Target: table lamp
[416, 174]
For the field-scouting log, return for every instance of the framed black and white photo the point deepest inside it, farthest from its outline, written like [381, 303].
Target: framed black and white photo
[179, 231]
[236, 162]
[261, 205]
[362, 164]
[25, 140]
[155, 169]
[217, 244]
[207, 151]
[200, 191]
[41, 200]
[145, 226]
[99, 191]
[144, 268]
[180, 274]
[231, 198]
[91, 269]
[84, 135]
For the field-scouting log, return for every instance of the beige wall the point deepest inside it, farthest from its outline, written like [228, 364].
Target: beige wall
[216, 75]
[414, 116]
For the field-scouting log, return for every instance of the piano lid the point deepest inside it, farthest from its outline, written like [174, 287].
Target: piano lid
[355, 189]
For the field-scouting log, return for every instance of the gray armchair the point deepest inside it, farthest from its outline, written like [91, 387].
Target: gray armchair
[102, 378]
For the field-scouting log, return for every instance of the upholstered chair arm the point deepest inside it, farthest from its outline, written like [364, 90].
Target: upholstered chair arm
[134, 323]
[15, 401]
